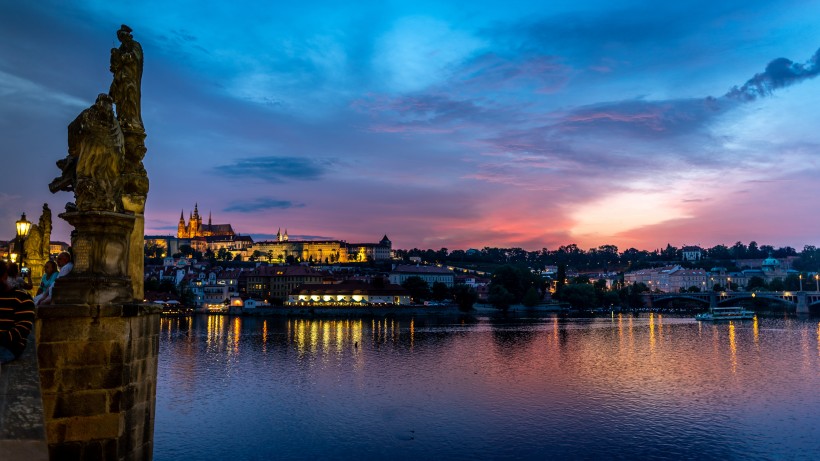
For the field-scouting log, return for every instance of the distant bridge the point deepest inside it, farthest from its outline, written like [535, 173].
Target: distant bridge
[801, 301]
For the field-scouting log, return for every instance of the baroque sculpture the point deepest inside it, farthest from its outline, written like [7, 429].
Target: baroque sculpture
[38, 244]
[104, 170]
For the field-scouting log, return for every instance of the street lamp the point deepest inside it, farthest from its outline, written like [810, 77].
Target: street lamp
[816, 282]
[801, 282]
[23, 228]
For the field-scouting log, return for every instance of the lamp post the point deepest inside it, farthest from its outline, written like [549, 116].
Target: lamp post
[816, 282]
[23, 228]
[801, 282]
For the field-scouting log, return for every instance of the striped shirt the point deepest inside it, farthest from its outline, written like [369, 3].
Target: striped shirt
[16, 319]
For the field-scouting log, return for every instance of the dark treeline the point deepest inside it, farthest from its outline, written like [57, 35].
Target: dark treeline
[607, 258]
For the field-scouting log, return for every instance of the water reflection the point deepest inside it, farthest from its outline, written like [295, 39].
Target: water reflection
[487, 387]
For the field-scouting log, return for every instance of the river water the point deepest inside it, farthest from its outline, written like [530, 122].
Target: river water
[487, 387]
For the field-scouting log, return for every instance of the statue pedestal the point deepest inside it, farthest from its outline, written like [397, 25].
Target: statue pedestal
[100, 274]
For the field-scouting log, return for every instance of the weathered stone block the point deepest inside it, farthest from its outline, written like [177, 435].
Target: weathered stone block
[94, 377]
[96, 427]
[49, 403]
[56, 430]
[115, 401]
[47, 379]
[81, 404]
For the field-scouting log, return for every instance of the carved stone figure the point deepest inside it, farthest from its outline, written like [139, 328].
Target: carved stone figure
[104, 170]
[95, 155]
[38, 244]
[126, 65]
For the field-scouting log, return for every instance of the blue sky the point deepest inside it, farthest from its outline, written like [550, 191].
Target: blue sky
[440, 124]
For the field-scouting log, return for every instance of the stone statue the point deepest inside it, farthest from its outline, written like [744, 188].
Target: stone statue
[126, 65]
[104, 170]
[125, 90]
[95, 155]
[38, 244]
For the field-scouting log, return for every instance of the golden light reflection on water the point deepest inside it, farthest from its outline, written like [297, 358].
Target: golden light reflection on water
[818, 339]
[756, 330]
[660, 327]
[265, 336]
[236, 331]
[733, 346]
[651, 332]
[216, 328]
[315, 336]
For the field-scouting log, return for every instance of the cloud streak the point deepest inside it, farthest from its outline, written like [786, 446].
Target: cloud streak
[253, 206]
[276, 169]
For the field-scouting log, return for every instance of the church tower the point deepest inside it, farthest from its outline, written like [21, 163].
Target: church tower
[181, 231]
[195, 225]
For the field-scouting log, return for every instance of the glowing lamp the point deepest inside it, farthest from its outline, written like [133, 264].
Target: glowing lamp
[23, 227]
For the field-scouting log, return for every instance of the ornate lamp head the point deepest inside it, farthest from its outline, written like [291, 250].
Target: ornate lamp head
[23, 227]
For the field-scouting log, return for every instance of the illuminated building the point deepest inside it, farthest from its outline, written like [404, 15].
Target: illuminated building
[276, 282]
[194, 228]
[430, 274]
[350, 293]
[321, 251]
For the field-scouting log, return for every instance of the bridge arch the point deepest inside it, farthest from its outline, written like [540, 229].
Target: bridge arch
[666, 298]
[740, 296]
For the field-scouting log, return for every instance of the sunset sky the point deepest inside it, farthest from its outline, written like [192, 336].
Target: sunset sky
[441, 124]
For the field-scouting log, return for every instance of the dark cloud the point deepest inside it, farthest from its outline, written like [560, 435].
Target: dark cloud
[276, 169]
[249, 206]
[780, 73]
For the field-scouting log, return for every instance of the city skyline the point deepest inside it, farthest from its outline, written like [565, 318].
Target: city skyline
[440, 125]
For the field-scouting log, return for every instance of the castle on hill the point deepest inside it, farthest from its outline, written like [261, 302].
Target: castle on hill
[194, 227]
[214, 237]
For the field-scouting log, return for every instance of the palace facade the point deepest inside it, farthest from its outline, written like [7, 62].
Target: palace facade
[321, 251]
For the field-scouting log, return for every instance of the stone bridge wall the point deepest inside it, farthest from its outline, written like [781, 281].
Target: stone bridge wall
[98, 373]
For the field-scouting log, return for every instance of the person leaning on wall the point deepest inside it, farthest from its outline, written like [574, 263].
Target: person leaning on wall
[65, 265]
[16, 318]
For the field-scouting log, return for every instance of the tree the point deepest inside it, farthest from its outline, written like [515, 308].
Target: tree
[531, 298]
[439, 291]
[792, 282]
[186, 250]
[560, 277]
[632, 294]
[419, 289]
[579, 295]
[516, 280]
[777, 285]
[464, 296]
[756, 283]
[500, 297]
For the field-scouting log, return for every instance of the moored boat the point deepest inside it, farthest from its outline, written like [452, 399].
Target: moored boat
[725, 313]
